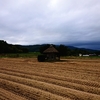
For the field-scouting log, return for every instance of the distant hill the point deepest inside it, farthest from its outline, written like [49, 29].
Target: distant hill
[32, 48]
[90, 50]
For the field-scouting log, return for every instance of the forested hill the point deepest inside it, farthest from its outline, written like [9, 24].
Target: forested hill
[10, 48]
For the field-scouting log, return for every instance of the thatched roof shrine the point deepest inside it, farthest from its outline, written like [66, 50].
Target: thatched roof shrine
[51, 49]
[51, 54]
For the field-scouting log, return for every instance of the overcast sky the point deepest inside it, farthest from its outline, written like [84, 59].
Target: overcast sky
[70, 22]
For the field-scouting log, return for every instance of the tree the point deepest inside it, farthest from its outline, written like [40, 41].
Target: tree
[3, 46]
[44, 47]
[63, 50]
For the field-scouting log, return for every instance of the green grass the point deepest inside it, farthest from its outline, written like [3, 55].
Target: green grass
[23, 55]
[35, 54]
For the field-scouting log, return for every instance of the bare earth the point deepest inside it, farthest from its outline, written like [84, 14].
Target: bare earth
[69, 79]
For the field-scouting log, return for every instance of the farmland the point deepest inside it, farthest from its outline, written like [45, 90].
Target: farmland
[68, 79]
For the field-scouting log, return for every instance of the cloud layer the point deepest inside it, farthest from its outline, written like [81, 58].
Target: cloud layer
[74, 22]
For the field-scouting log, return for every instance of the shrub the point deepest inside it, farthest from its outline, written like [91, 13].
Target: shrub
[41, 58]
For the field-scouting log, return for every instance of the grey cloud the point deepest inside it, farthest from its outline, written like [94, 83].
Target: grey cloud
[50, 21]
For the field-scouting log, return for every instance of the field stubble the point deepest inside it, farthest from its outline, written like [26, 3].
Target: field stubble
[69, 79]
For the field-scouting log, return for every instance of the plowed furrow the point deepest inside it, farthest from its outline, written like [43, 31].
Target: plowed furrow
[84, 71]
[78, 81]
[66, 84]
[54, 89]
[3, 97]
[7, 95]
[30, 93]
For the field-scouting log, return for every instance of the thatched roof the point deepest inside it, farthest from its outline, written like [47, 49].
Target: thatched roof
[51, 49]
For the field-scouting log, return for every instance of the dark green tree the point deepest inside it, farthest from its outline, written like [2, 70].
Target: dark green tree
[44, 47]
[64, 50]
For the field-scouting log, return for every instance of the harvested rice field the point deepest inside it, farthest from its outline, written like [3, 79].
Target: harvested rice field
[68, 79]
